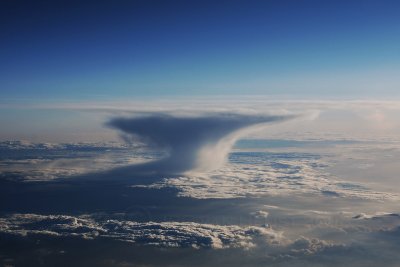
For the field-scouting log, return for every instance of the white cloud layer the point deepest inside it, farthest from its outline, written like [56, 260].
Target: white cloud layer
[280, 174]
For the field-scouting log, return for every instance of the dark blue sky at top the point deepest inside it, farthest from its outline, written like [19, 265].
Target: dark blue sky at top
[118, 49]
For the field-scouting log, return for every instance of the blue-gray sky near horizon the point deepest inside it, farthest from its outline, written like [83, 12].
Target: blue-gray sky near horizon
[82, 50]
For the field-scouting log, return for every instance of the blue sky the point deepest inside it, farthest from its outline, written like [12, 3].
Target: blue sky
[126, 49]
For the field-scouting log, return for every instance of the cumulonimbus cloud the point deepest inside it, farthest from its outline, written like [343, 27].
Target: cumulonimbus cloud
[191, 142]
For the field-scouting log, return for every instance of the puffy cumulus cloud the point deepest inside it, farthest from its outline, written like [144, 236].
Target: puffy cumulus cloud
[189, 234]
[163, 234]
[263, 244]
[192, 142]
[229, 245]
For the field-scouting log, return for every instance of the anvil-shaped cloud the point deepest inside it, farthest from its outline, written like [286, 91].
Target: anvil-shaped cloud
[192, 143]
